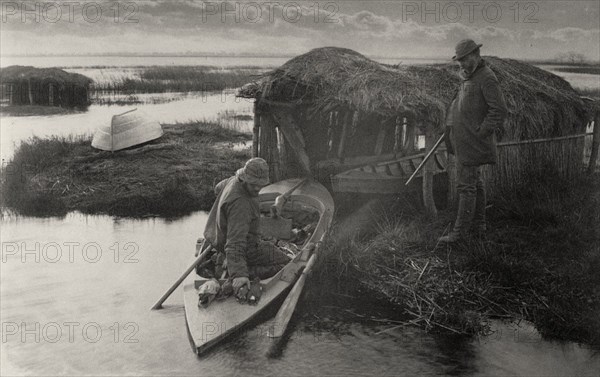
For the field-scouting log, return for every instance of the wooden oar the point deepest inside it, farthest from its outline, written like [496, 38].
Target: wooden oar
[277, 207]
[437, 144]
[289, 305]
[203, 253]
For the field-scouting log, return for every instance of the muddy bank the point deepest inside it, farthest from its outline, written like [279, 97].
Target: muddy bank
[172, 176]
[29, 110]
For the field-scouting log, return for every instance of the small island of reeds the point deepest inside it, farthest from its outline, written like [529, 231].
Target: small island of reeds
[171, 176]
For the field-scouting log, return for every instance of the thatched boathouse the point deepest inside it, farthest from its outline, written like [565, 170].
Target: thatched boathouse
[333, 110]
[25, 85]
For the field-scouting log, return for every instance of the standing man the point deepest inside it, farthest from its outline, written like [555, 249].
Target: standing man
[476, 113]
[233, 226]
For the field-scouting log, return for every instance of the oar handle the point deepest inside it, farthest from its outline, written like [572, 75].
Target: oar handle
[205, 250]
[309, 264]
[277, 207]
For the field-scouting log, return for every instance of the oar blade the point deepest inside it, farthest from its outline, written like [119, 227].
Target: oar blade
[287, 309]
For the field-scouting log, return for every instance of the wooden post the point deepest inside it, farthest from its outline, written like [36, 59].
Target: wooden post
[255, 131]
[282, 154]
[397, 137]
[292, 134]
[595, 144]
[404, 130]
[51, 94]
[11, 94]
[265, 126]
[380, 139]
[330, 134]
[30, 90]
[409, 143]
[342, 145]
[428, 172]
[275, 176]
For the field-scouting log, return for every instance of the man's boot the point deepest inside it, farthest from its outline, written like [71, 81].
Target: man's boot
[464, 217]
[479, 225]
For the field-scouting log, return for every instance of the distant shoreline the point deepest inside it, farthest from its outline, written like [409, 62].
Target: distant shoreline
[276, 56]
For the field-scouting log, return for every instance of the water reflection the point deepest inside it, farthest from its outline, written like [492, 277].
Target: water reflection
[222, 107]
[337, 329]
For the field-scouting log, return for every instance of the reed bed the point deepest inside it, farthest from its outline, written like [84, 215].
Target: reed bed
[161, 79]
[518, 162]
[590, 92]
[590, 70]
[539, 263]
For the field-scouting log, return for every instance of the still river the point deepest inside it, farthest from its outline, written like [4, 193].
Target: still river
[75, 299]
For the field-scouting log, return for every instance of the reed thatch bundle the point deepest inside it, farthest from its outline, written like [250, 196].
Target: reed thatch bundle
[326, 79]
[18, 73]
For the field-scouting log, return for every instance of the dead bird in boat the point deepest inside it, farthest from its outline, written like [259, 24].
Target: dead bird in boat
[207, 292]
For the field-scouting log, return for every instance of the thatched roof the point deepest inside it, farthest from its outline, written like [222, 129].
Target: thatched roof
[17, 73]
[540, 103]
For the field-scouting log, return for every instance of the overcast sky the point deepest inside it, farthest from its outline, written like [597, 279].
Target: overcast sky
[515, 29]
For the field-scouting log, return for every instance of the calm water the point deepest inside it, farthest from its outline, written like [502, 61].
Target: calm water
[223, 107]
[82, 308]
[577, 80]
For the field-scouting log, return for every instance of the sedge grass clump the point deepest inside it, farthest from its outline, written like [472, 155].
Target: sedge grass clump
[23, 183]
[399, 264]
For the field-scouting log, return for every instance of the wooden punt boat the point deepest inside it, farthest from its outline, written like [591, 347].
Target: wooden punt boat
[387, 177]
[130, 128]
[208, 326]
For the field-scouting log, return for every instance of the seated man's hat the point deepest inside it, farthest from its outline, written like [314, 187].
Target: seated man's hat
[256, 172]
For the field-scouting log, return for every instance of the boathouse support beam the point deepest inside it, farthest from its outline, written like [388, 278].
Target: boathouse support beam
[380, 139]
[274, 155]
[343, 136]
[409, 142]
[283, 150]
[292, 133]
[397, 136]
[30, 92]
[255, 131]
[595, 144]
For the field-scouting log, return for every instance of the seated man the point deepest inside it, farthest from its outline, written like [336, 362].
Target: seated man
[233, 226]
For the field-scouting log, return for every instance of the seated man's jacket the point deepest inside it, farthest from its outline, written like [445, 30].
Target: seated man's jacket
[233, 224]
